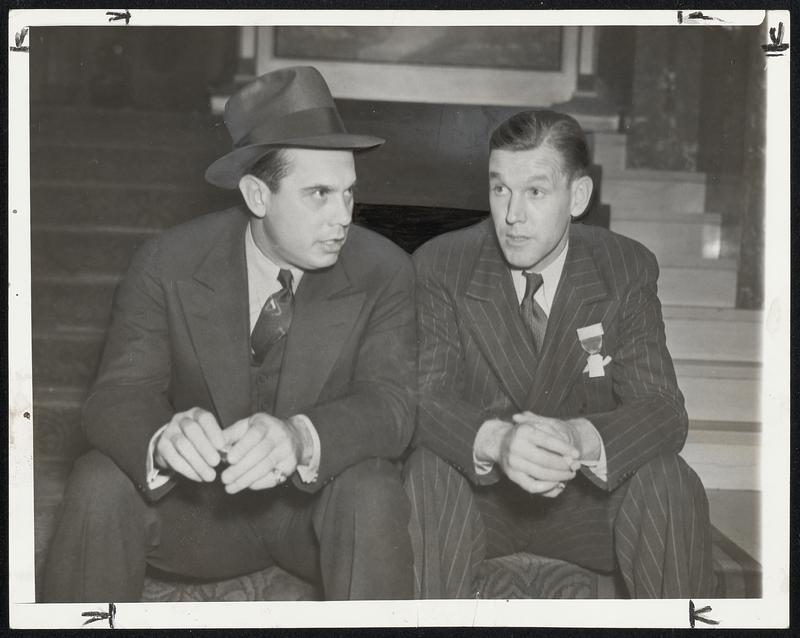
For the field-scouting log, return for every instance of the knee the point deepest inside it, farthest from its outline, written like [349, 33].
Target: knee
[373, 489]
[99, 483]
[669, 473]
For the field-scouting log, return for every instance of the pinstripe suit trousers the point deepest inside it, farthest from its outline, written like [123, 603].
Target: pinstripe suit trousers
[654, 528]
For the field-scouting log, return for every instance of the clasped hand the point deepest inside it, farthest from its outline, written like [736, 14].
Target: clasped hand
[262, 450]
[539, 454]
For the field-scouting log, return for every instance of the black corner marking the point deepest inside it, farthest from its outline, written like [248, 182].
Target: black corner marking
[119, 15]
[776, 46]
[696, 615]
[94, 616]
[19, 40]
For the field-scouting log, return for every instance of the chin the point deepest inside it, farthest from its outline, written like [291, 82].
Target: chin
[520, 258]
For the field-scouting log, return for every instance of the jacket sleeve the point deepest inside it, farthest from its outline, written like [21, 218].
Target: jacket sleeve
[447, 422]
[376, 417]
[650, 418]
[128, 401]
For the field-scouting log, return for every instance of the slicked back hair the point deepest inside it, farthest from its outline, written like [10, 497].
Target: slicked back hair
[272, 167]
[531, 129]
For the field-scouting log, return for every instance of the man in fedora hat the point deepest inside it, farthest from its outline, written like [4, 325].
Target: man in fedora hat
[256, 383]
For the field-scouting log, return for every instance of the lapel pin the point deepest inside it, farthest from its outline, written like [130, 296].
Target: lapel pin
[591, 338]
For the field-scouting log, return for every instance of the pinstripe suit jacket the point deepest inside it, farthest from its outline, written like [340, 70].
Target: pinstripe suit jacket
[477, 362]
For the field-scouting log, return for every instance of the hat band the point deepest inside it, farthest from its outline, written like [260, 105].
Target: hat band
[308, 123]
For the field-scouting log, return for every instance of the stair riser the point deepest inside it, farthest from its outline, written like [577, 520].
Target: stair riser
[66, 362]
[133, 207]
[114, 165]
[635, 194]
[713, 340]
[670, 240]
[725, 460]
[710, 399]
[57, 432]
[55, 253]
[64, 306]
[697, 287]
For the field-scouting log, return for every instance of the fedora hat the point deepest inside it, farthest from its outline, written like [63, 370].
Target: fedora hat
[288, 107]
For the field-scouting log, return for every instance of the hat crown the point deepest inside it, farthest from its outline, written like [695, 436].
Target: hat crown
[277, 94]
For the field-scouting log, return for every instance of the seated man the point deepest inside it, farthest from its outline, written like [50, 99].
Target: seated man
[257, 381]
[550, 419]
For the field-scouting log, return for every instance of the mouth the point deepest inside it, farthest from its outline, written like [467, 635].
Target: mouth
[333, 244]
[517, 240]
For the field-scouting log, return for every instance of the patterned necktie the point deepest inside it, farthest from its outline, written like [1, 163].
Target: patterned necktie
[532, 313]
[275, 318]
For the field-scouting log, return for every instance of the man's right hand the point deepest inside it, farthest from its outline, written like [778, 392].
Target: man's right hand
[532, 457]
[189, 445]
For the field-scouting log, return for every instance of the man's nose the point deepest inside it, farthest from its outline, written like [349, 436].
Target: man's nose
[515, 213]
[343, 211]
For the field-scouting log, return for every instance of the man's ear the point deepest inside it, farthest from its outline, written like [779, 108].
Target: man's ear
[256, 194]
[581, 192]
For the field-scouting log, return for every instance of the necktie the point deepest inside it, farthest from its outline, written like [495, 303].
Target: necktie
[275, 318]
[532, 313]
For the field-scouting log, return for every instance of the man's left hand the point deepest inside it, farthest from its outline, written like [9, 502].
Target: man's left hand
[579, 432]
[265, 452]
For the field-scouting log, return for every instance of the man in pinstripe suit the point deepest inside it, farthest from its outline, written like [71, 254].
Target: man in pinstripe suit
[525, 442]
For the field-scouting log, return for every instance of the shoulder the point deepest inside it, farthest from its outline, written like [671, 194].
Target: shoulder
[182, 248]
[620, 258]
[456, 246]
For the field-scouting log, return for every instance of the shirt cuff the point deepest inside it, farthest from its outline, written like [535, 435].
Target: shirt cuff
[155, 476]
[599, 467]
[308, 472]
[483, 467]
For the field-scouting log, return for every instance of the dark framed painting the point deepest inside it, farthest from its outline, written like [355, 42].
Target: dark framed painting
[524, 48]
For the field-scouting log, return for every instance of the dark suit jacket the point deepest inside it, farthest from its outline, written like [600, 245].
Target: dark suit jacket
[477, 362]
[179, 337]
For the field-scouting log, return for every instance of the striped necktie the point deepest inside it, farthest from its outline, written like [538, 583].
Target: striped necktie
[532, 313]
[275, 318]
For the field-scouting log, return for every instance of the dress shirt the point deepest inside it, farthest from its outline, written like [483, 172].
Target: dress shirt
[544, 296]
[262, 281]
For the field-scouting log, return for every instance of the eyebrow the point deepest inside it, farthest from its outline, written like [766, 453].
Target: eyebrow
[325, 187]
[536, 177]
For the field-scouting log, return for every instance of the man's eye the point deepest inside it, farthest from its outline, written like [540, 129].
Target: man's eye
[535, 192]
[498, 189]
[319, 193]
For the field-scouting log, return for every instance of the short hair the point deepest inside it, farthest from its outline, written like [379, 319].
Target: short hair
[272, 167]
[531, 129]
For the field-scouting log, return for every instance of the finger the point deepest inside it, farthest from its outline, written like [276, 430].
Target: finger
[246, 479]
[193, 431]
[523, 417]
[251, 438]
[190, 454]
[540, 472]
[555, 491]
[530, 484]
[548, 441]
[252, 457]
[234, 432]
[210, 426]
[174, 461]
[523, 448]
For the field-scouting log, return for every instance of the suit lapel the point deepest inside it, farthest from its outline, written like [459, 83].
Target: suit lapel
[577, 303]
[493, 309]
[325, 312]
[215, 304]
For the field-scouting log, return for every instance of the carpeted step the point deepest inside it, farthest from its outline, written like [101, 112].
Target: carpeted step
[111, 164]
[119, 202]
[69, 359]
[68, 304]
[68, 250]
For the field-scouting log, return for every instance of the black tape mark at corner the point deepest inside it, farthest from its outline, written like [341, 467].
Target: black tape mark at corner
[94, 616]
[19, 39]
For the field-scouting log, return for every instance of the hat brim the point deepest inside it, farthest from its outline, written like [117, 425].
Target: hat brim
[229, 169]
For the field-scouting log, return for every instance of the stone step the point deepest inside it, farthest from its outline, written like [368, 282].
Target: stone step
[692, 235]
[81, 126]
[639, 189]
[110, 163]
[720, 390]
[713, 333]
[724, 459]
[75, 250]
[698, 282]
[124, 203]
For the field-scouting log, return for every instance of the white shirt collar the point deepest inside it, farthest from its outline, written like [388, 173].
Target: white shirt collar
[551, 275]
[262, 276]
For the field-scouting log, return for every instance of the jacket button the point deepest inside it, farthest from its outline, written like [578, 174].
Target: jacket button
[261, 378]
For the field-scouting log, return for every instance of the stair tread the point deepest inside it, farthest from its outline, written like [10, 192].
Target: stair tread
[704, 313]
[658, 215]
[654, 175]
[718, 369]
[689, 262]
